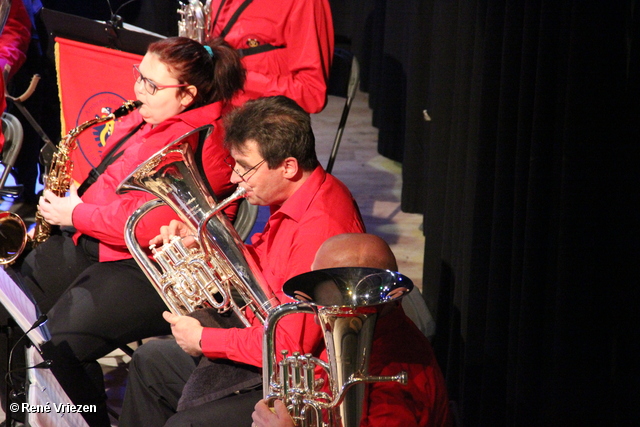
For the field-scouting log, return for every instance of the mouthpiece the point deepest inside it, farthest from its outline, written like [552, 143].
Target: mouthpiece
[126, 108]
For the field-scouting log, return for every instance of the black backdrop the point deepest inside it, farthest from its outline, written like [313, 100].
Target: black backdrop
[527, 176]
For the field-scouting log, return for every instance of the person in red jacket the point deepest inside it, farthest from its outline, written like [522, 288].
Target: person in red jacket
[287, 46]
[14, 42]
[398, 345]
[95, 295]
[274, 149]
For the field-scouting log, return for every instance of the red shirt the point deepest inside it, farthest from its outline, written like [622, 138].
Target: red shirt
[322, 207]
[299, 70]
[104, 213]
[399, 345]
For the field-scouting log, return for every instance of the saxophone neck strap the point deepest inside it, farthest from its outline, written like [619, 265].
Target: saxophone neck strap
[233, 18]
[247, 51]
[107, 160]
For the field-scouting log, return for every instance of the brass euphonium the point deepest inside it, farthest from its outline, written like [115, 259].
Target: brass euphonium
[57, 180]
[347, 302]
[193, 278]
[194, 20]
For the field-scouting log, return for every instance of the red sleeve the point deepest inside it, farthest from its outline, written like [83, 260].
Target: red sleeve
[15, 37]
[308, 54]
[297, 332]
[107, 223]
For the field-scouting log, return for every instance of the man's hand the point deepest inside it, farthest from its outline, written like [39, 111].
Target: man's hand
[187, 332]
[59, 210]
[264, 417]
[175, 228]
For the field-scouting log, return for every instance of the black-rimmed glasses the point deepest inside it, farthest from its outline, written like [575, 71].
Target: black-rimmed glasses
[228, 160]
[149, 85]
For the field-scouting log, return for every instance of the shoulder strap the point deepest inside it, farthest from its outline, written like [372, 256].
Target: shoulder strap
[258, 49]
[107, 160]
[234, 17]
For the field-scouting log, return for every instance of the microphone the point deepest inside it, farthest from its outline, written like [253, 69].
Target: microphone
[42, 365]
[42, 319]
[116, 20]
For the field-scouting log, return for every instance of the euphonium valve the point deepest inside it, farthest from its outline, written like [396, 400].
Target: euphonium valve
[347, 302]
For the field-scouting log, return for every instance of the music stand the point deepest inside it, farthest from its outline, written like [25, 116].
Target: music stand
[106, 34]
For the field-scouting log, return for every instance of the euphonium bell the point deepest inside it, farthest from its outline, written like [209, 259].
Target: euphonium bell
[347, 302]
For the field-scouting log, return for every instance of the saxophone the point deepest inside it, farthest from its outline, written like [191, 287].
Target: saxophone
[58, 177]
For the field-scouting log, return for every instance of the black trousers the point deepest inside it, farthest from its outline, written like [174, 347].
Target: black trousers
[93, 308]
[158, 373]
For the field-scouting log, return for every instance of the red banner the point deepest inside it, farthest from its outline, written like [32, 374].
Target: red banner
[92, 82]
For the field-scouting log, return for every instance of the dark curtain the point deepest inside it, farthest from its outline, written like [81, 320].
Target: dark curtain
[528, 177]
[531, 246]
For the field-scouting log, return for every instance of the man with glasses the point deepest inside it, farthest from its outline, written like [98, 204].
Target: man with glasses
[273, 158]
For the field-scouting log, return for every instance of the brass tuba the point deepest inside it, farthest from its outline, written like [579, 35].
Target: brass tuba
[58, 180]
[347, 302]
[194, 20]
[193, 278]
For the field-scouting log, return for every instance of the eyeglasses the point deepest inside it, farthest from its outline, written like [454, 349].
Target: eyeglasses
[149, 85]
[228, 160]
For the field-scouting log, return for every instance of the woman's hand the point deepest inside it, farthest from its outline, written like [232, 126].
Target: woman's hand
[59, 210]
[187, 331]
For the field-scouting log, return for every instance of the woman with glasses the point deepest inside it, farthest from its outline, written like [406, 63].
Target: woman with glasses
[94, 294]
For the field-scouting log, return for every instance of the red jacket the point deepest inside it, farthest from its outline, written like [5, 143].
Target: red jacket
[300, 70]
[321, 208]
[103, 213]
[15, 38]
[14, 42]
[398, 345]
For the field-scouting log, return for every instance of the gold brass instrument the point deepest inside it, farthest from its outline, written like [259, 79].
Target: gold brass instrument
[193, 278]
[13, 237]
[58, 181]
[194, 20]
[347, 302]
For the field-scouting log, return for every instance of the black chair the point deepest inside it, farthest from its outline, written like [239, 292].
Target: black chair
[13, 135]
[344, 78]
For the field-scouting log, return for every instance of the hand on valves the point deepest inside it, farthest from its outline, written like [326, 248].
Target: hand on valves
[175, 228]
[278, 416]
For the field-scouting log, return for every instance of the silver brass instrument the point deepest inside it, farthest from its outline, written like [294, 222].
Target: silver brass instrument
[57, 180]
[194, 20]
[193, 278]
[347, 302]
